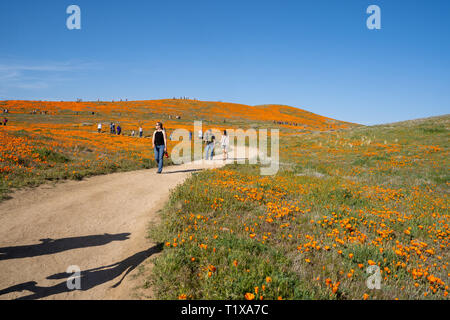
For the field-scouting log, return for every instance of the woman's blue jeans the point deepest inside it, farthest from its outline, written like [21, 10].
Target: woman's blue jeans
[159, 154]
[209, 151]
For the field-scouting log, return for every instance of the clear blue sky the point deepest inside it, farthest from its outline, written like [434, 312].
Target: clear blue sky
[317, 55]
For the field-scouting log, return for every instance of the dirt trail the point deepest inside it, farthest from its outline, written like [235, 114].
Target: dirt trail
[98, 224]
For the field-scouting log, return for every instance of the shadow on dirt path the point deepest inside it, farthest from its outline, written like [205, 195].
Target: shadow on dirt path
[50, 246]
[88, 278]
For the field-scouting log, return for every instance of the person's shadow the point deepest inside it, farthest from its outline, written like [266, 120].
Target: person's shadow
[88, 278]
[182, 171]
[50, 246]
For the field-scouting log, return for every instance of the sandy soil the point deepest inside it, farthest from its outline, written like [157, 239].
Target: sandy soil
[98, 224]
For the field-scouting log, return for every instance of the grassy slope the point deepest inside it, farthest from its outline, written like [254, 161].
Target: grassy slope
[341, 198]
[188, 110]
[342, 201]
[63, 142]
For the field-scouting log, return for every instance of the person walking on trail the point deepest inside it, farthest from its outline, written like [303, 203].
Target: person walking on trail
[209, 140]
[5, 121]
[99, 127]
[200, 134]
[224, 142]
[119, 129]
[141, 132]
[159, 142]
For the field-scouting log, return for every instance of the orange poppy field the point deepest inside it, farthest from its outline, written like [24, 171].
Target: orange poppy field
[58, 140]
[346, 197]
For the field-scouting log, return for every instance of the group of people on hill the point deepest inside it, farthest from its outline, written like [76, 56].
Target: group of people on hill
[286, 123]
[113, 129]
[36, 111]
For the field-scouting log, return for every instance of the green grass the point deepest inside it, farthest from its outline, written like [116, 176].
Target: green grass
[341, 201]
[175, 273]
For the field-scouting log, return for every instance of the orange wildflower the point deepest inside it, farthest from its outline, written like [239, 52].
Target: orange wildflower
[249, 296]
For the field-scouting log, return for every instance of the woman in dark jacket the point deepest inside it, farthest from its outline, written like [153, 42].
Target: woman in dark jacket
[159, 142]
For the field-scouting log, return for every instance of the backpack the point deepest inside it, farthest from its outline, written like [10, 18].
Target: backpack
[209, 137]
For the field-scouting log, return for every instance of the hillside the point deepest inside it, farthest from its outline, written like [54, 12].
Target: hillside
[47, 140]
[345, 205]
[187, 110]
[346, 197]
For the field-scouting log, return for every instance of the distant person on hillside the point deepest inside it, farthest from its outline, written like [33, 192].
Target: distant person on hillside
[141, 132]
[209, 140]
[159, 142]
[225, 141]
[119, 129]
[5, 121]
[99, 127]
[133, 133]
[113, 128]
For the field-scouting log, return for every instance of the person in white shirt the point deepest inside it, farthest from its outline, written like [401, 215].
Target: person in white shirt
[99, 127]
[224, 142]
[200, 134]
[141, 132]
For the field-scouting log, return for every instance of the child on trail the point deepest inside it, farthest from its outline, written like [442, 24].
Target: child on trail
[159, 142]
[225, 141]
[209, 140]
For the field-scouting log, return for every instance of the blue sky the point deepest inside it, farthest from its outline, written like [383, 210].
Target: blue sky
[317, 55]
